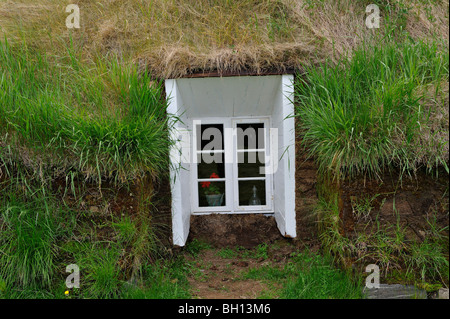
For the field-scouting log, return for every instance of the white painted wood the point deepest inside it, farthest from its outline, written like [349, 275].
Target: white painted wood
[244, 96]
[240, 99]
[195, 207]
[267, 178]
[179, 174]
[284, 179]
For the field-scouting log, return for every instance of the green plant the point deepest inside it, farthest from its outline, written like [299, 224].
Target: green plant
[329, 226]
[162, 280]
[436, 233]
[278, 25]
[2, 288]
[211, 188]
[98, 264]
[105, 120]
[269, 273]
[362, 207]
[195, 246]
[259, 252]
[28, 240]
[318, 279]
[308, 276]
[385, 249]
[227, 253]
[126, 229]
[368, 111]
[429, 259]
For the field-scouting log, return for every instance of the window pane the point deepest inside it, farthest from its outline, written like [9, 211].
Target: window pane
[210, 136]
[249, 164]
[250, 136]
[209, 164]
[252, 193]
[211, 194]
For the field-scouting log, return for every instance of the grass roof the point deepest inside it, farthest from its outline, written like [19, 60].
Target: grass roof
[82, 93]
[173, 38]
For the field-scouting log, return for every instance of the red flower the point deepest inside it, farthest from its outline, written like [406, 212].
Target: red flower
[208, 184]
[211, 189]
[205, 184]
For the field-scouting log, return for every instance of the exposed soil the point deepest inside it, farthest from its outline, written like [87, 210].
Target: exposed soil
[98, 208]
[216, 277]
[305, 196]
[413, 203]
[222, 230]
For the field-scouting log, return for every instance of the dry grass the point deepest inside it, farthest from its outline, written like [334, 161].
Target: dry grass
[434, 138]
[177, 37]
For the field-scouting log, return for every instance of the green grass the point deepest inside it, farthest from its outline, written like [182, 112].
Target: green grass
[308, 276]
[269, 273]
[384, 243]
[428, 258]
[29, 231]
[259, 252]
[326, 213]
[102, 277]
[228, 253]
[375, 110]
[35, 249]
[99, 269]
[195, 246]
[104, 120]
[162, 280]
[126, 228]
[40, 235]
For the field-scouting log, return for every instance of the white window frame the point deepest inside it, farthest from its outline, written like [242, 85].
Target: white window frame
[268, 177]
[231, 170]
[227, 142]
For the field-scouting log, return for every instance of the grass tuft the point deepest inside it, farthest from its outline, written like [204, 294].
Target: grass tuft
[100, 121]
[376, 109]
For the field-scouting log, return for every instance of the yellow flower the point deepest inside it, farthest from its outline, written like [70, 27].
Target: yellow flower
[66, 292]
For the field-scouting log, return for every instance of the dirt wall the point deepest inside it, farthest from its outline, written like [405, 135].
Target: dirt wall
[413, 202]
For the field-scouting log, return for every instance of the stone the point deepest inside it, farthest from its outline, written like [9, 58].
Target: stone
[94, 209]
[443, 293]
[396, 291]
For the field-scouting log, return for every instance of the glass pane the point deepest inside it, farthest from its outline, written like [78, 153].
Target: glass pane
[211, 194]
[250, 136]
[252, 193]
[210, 137]
[211, 165]
[249, 164]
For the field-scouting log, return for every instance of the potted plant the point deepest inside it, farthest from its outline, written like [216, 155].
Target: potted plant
[213, 194]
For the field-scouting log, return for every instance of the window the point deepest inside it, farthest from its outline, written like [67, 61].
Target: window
[232, 106]
[229, 172]
[211, 173]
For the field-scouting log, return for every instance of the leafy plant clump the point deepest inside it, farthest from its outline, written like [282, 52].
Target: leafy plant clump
[382, 107]
[62, 118]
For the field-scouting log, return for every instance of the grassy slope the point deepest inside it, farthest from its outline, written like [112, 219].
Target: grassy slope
[88, 103]
[277, 270]
[79, 94]
[99, 122]
[386, 106]
[174, 36]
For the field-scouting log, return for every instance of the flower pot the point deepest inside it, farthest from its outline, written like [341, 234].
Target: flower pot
[214, 199]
